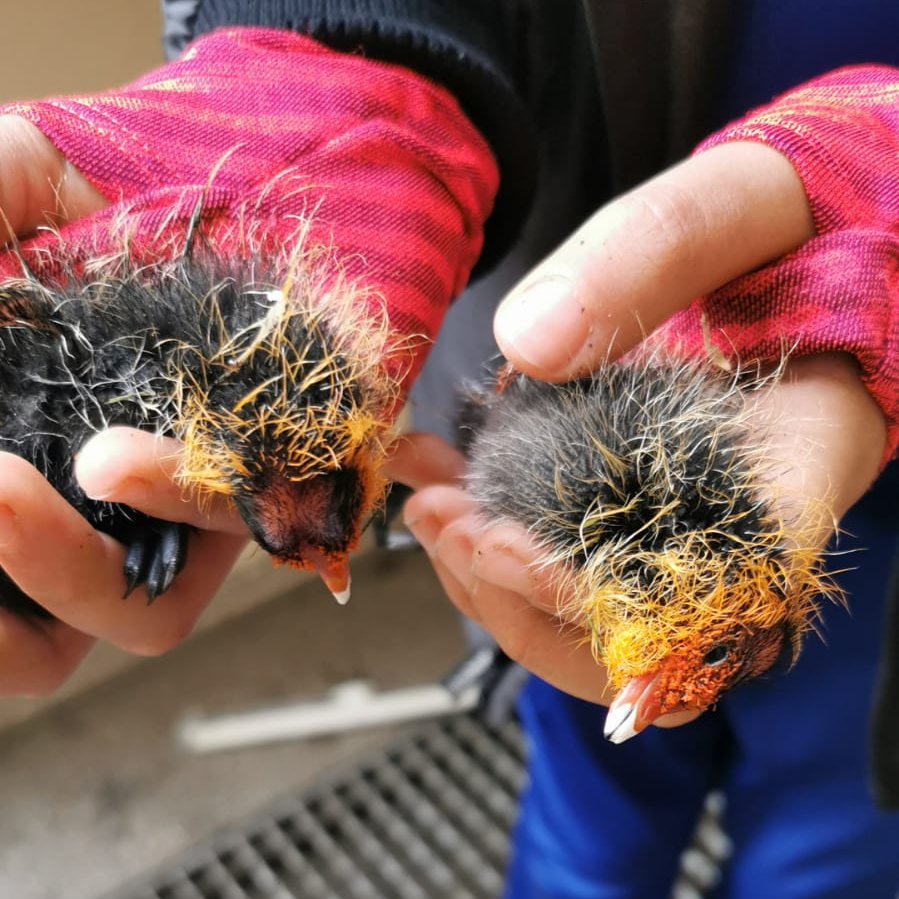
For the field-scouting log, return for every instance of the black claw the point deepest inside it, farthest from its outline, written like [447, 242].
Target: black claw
[155, 558]
[173, 546]
[169, 556]
[135, 568]
[155, 583]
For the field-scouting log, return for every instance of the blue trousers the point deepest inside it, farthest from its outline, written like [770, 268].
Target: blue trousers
[790, 753]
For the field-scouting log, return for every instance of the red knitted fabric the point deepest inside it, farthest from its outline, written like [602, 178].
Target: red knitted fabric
[840, 290]
[385, 164]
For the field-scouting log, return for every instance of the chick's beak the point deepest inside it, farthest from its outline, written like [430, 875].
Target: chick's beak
[636, 707]
[333, 569]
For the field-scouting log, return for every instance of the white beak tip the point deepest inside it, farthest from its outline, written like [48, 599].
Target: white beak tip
[342, 596]
[619, 725]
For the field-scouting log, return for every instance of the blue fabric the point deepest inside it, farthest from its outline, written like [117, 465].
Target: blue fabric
[801, 814]
[778, 44]
[600, 821]
[603, 821]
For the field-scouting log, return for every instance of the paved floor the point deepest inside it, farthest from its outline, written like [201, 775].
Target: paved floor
[96, 791]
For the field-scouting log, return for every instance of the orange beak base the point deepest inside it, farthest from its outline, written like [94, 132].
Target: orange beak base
[636, 707]
[334, 570]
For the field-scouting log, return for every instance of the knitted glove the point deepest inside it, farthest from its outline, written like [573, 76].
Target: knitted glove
[269, 128]
[838, 292]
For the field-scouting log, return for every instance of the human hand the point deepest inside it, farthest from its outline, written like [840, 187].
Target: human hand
[80, 580]
[396, 139]
[724, 222]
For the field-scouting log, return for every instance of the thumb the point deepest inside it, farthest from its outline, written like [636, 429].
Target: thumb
[38, 186]
[139, 469]
[811, 424]
[648, 254]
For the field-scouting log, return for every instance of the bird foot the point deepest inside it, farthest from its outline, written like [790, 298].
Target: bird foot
[155, 557]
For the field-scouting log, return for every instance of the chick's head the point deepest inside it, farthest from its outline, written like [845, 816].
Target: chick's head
[698, 630]
[289, 414]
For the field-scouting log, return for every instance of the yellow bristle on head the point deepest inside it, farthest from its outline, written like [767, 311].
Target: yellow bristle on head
[294, 381]
[635, 622]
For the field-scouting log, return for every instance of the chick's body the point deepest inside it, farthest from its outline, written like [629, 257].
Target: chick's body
[646, 482]
[279, 404]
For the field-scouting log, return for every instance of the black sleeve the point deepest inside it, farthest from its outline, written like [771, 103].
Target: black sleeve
[468, 46]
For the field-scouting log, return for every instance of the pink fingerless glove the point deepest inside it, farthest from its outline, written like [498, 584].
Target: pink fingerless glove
[839, 291]
[385, 166]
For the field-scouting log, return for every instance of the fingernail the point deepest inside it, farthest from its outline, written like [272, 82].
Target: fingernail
[133, 491]
[545, 324]
[425, 529]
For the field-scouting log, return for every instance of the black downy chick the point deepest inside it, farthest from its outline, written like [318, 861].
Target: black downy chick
[646, 483]
[280, 399]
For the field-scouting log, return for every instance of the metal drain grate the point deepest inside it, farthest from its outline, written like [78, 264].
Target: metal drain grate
[427, 818]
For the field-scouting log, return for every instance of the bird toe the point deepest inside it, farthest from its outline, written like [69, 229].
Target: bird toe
[155, 558]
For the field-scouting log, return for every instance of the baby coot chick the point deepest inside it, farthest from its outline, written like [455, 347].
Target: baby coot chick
[271, 376]
[647, 483]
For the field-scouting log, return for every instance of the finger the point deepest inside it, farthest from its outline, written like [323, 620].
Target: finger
[38, 186]
[525, 623]
[36, 658]
[502, 554]
[555, 652]
[427, 512]
[648, 254]
[454, 549]
[529, 636]
[85, 585]
[33, 515]
[457, 592]
[497, 555]
[419, 460]
[425, 515]
[811, 421]
[138, 469]
[537, 640]
[505, 555]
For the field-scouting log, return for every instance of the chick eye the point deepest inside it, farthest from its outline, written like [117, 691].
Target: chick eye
[717, 655]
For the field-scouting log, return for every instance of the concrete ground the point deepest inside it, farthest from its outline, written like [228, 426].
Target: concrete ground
[95, 791]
